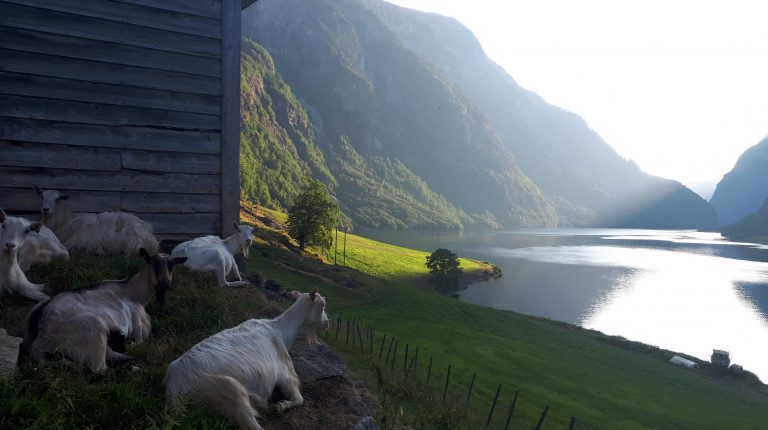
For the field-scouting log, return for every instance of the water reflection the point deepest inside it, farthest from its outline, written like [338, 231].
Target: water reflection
[681, 290]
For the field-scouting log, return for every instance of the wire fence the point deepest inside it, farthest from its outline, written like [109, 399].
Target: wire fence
[403, 370]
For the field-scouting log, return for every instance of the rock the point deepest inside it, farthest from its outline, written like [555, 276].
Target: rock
[316, 361]
[367, 423]
[9, 352]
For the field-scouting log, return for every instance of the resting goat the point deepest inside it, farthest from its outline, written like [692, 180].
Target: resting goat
[213, 254]
[238, 368]
[90, 325]
[100, 233]
[13, 232]
[39, 247]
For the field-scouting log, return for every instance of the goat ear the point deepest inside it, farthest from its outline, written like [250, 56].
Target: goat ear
[179, 260]
[2, 216]
[36, 226]
[237, 226]
[143, 252]
[63, 196]
[294, 295]
[313, 294]
[38, 190]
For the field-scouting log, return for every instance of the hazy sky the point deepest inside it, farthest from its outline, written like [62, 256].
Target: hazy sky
[679, 86]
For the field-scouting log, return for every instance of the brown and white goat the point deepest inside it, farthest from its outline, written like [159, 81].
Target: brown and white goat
[237, 369]
[90, 325]
[13, 232]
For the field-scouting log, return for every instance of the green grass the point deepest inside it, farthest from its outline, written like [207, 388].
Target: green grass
[604, 381]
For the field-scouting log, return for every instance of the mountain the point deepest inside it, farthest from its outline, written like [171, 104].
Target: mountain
[588, 181]
[743, 190]
[753, 227]
[406, 147]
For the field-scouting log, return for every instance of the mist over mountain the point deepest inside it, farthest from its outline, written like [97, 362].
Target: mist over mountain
[410, 125]
[743, 190]
[585, 177]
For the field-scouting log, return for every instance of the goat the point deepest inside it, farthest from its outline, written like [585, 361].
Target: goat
[13, 232]
[213, 254]
[100, 233]
[238, 368]
[90, 325]
[40, 247]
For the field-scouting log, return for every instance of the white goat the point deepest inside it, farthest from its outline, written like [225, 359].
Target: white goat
[213, 254]
[238, 368]
[13, 232]
[100, 233]
[39, 247]
[91, 325]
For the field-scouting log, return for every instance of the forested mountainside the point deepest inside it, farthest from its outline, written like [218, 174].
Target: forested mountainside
[581, 173]
[743, 190]
[410, 125]
[389, 122]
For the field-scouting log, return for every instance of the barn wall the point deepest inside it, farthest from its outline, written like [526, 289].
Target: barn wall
[123, 104]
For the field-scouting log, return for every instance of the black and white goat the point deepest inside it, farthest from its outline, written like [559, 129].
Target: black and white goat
[237, 369]
[90, 325]
[100, 233]
[13, 232]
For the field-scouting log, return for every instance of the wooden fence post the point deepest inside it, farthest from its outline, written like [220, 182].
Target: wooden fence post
[389, 351]
[394, 357]
[347, 332]
[471, 386]
[360, 336]
[447, 378]
[416, 360]
[572, 423]
[382, 346]
[493, 406]
[338, 324]
[429, 371]
[405, 360]
[511, 409]
[541, 418]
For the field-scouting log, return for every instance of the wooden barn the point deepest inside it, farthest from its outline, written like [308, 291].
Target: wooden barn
[128, 105]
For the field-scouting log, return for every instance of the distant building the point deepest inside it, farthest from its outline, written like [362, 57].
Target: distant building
[720, 358]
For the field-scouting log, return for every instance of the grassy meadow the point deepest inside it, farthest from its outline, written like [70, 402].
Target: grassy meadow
[605, 382]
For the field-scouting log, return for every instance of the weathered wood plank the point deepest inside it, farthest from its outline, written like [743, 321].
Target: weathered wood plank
[97, 113]
[107, 52]
[230, 115]
[134, 14]
[153, 161]
[109, 137]
[94, 71]
[26, 200]
[32, 18]
[25, 154]
[125, 180]
[68, 89]
[208, 8]
[180, 224]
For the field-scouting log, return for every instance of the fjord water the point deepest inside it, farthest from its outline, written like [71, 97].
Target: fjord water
[680, 290]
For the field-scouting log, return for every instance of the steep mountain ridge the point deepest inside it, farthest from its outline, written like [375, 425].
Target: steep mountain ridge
[743, 190]
[370, 97]
[587, 179]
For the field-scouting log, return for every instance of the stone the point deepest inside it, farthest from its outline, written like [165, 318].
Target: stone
[316, 361]
[367, 423]
[9, 352]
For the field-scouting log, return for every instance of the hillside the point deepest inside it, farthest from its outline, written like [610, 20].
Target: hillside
[752, 228]
[743, 190]
[405, 145]
[588, 181]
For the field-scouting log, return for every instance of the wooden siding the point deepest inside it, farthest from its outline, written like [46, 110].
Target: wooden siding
[124, 105]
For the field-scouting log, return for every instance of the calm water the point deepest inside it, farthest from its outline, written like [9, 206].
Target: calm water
[680, 290]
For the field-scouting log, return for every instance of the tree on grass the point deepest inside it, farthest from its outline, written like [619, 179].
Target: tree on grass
[313, 216]
[443, 264]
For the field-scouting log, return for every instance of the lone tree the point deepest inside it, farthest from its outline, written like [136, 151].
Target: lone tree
[313, 216]
[443, 264]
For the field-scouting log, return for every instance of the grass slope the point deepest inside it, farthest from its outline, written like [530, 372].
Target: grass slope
[604, 381]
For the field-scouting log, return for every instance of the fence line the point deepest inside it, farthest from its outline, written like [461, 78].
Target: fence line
[391, 358]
